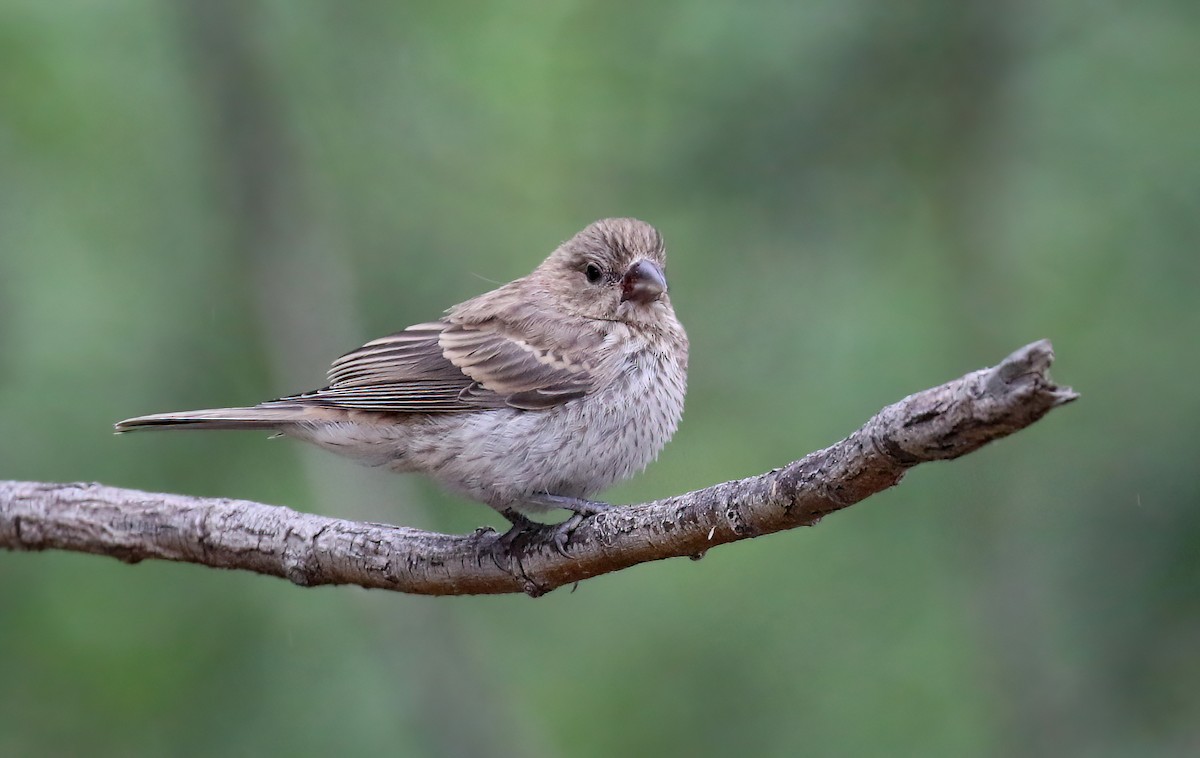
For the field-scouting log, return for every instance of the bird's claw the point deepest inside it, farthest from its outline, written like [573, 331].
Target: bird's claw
[580, 510]
[560, 534]
[520, 533]
[563, 531]
[521, 526]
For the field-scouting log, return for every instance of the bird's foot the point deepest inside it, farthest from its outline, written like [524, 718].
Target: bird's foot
[507, 548]
[522, 526]
[581, 508]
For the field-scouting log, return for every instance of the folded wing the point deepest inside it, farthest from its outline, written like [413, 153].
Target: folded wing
[444, 367]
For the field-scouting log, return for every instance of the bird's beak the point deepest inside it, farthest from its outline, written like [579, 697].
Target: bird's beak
[643, 283]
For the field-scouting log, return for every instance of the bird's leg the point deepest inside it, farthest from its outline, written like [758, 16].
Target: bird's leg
[579, 505]
[506, 547]
[520, 525]
[581, 509]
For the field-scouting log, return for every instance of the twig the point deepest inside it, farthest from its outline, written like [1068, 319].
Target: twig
[936, 424]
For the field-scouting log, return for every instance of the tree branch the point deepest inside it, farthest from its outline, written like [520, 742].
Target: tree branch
[937, 424]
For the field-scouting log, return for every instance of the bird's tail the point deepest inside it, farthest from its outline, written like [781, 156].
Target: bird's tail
[258, 417]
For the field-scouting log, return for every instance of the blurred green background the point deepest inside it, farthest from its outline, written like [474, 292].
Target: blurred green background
[202, 202]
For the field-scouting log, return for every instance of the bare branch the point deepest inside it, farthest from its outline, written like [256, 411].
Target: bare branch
[937, 424]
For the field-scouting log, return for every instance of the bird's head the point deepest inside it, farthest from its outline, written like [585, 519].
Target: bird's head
[614, 270]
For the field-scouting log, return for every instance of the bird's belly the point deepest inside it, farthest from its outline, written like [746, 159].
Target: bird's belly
[503, 456]
[575, 450]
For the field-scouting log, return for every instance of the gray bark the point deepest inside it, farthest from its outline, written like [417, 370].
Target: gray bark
[937, 424]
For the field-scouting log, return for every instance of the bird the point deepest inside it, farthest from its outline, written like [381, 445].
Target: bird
[532, 397]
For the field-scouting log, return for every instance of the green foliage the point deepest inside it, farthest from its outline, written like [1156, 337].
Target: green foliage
[202, 203]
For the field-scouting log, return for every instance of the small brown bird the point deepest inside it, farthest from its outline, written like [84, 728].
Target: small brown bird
[534, 396]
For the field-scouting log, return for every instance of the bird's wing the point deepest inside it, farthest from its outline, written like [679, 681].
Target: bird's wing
[411, 355]
[528, 372]
[442, 367]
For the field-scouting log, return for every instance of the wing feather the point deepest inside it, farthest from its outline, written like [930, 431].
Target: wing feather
[525, 374]
[445, 367]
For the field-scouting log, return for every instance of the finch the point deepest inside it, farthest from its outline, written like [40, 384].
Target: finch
[534, 396]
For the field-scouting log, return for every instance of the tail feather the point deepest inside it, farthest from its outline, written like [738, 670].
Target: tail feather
[270, 419]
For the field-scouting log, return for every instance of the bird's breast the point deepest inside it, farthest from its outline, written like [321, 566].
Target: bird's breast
[644, 402]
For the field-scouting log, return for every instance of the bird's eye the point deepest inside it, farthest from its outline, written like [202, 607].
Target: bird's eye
[593, 273]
